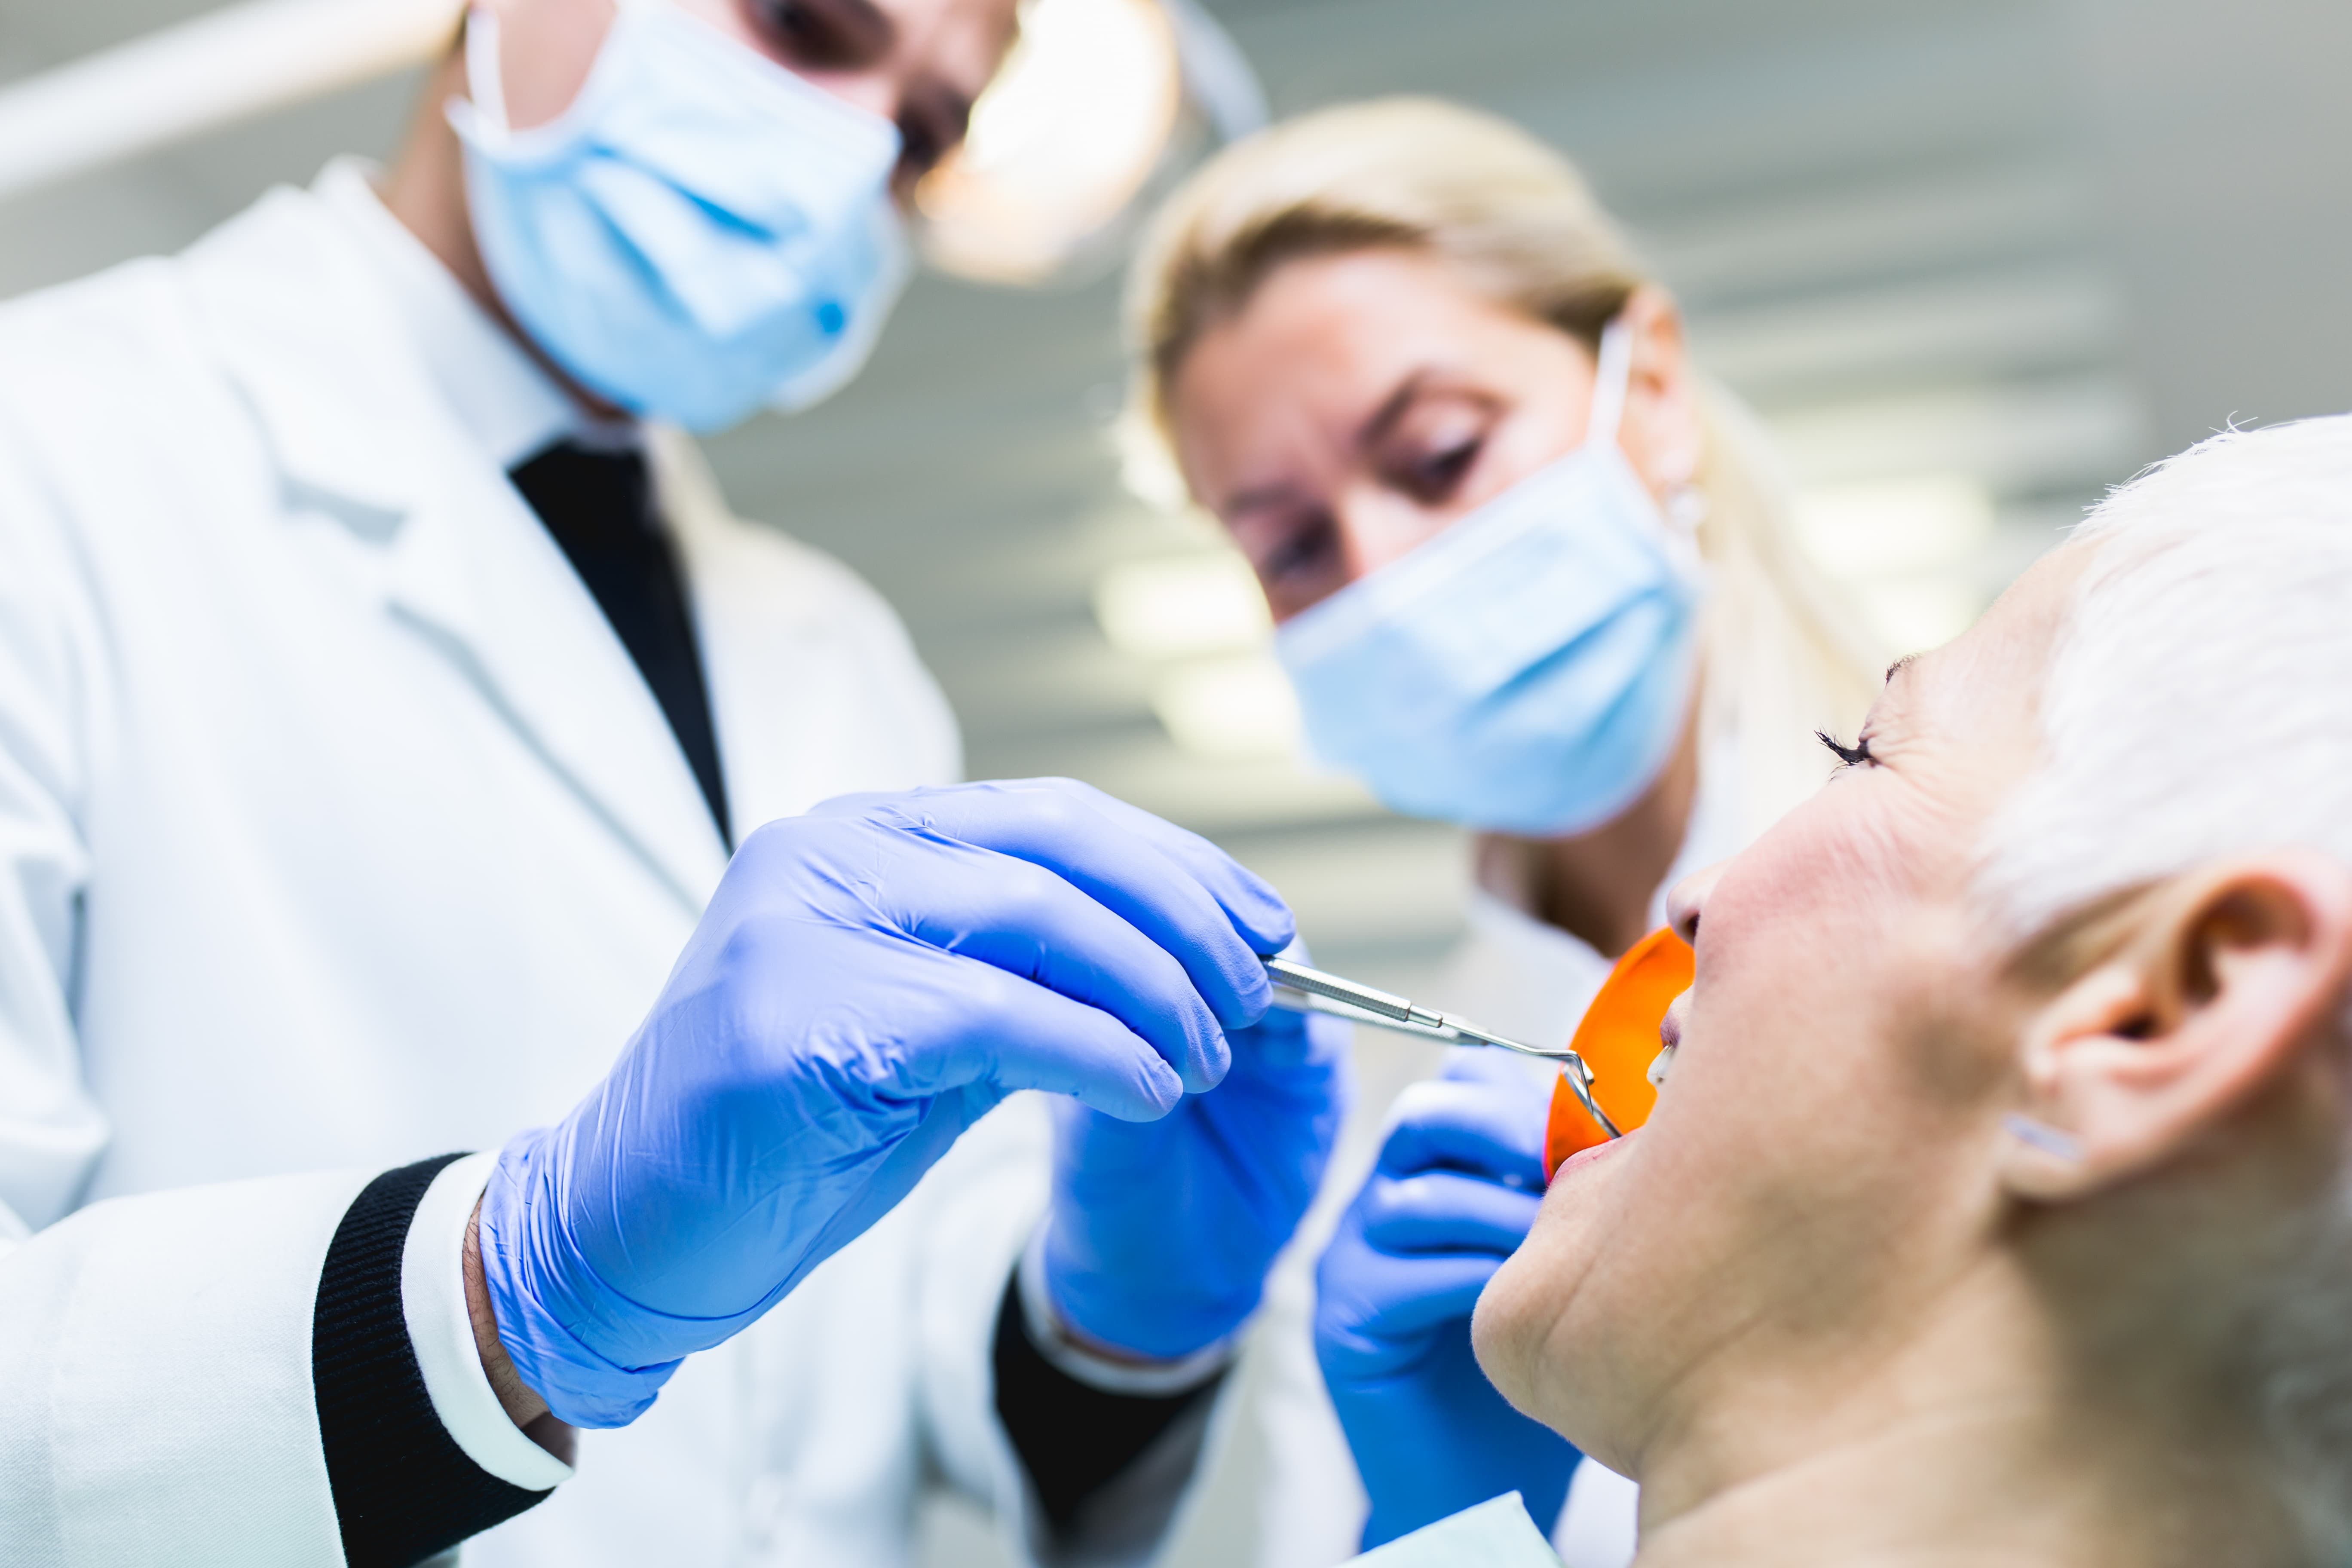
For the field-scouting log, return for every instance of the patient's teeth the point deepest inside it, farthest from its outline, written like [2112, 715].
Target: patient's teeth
[1659, 1065]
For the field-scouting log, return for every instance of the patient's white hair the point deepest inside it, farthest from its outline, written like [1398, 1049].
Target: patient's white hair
[2199, 706]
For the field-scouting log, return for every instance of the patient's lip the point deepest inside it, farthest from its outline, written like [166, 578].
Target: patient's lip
[1586, 1156]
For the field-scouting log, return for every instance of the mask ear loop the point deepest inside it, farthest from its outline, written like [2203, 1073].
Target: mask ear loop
[485, 83]
[1612, 379]
[1613, 375]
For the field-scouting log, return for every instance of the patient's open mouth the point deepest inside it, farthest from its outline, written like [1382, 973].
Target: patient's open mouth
[1618, 1042]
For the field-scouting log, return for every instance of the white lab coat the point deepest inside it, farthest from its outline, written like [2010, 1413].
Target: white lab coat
[337, 830]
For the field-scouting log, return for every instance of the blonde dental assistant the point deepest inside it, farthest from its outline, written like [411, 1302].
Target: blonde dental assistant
[383, 684]
[1530, 575]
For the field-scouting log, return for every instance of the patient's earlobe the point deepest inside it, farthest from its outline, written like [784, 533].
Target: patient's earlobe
[2227, 980]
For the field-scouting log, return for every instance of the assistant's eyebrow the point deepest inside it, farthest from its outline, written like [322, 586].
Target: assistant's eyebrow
[1252, 499]
[1376, 429]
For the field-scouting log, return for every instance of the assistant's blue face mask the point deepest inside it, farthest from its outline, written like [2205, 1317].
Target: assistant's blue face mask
[700, 234]
[1528, 669]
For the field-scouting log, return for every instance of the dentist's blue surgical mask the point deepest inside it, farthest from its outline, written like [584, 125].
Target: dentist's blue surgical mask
[1528, 669]
[700, 234]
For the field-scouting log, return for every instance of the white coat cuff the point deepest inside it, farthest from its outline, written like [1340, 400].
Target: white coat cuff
[433, 1300]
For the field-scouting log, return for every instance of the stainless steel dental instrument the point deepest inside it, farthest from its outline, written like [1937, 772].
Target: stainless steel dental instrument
[1303, 990]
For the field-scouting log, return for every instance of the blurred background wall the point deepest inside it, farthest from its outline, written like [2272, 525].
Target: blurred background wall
[1972, 260]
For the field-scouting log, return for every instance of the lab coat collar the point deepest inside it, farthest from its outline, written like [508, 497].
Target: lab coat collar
[301, 321]
[501, 397]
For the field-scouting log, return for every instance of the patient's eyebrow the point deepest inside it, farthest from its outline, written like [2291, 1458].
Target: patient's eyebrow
[1899, 665]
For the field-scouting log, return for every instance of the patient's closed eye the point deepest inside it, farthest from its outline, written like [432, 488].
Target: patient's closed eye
[1849, 756]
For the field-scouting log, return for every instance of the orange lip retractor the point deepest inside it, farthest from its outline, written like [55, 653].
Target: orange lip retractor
[1618, 1040]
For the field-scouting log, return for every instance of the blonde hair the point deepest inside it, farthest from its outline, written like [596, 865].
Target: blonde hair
[1521, 227]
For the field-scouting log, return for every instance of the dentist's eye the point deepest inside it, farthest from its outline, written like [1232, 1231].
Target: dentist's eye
[920, 147]
[822, 35]
[1852, 756]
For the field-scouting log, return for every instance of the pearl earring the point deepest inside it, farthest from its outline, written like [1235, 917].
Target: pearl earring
[1687, 508]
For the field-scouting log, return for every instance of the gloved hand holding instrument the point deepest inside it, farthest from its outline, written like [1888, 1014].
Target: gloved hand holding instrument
[1456, 1189]
[868, 981]
[1159, 1234]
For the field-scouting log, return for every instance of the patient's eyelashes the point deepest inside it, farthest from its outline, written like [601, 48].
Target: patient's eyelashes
[1851, 756]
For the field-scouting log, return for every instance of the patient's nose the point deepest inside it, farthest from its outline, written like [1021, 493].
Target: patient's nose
[1687, 898]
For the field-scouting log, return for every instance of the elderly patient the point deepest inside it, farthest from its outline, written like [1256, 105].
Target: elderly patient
[1995, 1209]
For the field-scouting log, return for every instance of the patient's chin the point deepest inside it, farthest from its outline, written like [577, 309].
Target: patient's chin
[1508, 1330]
[1545, 1330]
[1518, 1332]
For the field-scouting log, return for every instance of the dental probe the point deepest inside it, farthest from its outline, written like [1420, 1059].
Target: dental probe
[1299, 989]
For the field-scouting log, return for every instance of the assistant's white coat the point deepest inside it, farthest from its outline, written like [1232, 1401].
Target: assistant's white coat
[337, 830]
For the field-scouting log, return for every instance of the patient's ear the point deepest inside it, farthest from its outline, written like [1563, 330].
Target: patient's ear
[2225, 981]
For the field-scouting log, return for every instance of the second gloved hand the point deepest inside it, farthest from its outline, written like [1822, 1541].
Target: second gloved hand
[1456, 1187]
[1160, 1234]
[868, 981]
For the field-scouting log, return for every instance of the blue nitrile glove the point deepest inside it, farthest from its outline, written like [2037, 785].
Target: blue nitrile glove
[1456, 1187]
[868, 980]
[1159, 1234]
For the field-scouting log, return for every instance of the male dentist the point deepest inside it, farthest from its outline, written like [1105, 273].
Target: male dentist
[383, 686]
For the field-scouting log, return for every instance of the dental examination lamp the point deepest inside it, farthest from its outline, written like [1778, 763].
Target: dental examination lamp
[1101, 104]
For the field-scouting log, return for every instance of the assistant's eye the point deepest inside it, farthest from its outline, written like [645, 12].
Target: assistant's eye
[1852, 756]
[1437, 476]
[1304, 550]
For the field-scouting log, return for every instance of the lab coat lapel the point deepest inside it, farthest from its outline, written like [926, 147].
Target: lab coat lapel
[356, 428]
[478, 575]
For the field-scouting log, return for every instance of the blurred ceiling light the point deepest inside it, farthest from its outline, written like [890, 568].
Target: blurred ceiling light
[1894, 526]
[1229, 710]
[1086, 111]
[1182, 606]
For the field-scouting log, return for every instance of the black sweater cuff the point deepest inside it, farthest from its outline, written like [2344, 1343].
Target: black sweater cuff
[404, 1490]
[1073, 1440]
